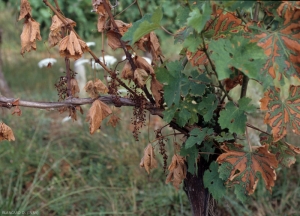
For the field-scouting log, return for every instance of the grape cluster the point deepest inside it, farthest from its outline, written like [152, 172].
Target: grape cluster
[162, 147]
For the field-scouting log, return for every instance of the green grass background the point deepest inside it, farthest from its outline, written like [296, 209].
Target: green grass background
[58, 168]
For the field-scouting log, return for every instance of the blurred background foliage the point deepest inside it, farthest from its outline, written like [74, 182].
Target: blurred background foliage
[58, 168]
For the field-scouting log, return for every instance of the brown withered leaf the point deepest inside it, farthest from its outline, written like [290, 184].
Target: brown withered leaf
[151, 44]
[74, 87]
[143, 64]
[6, 133]
[30, 33]
[140, 75]
[154, 46]
[127, 72]
[17, 109]
[177, 171]
[100, 86]
[25, 9]
[113, 40]
[101, 22]
[231, 83]
[93, 88]
[113, 120]
[72, 47]
[148, 161]
[156, 89]
[55, 30]
[96, 114]
[141, 43]
[122, 26]
[245, 165]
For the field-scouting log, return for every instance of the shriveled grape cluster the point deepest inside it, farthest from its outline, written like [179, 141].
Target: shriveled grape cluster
[162, 147]
[61, 87]
[139, 114]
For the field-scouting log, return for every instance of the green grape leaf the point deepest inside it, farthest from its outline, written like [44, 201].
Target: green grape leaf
[169, 113]
[207, 147]
[192, 42]
[171, 78]
[237, 52]
[213, 182]
[197, 136]
[282, 111]
[207, 106]
[285, 152]
[148, 23]
[182, 15]
[185, 115]
[192, 155]
[234, 118]
[224, 137]
[198, 18]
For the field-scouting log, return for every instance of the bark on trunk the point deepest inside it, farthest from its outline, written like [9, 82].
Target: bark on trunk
[198, 196]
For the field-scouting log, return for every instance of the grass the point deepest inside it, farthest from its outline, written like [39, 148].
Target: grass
[58, 168]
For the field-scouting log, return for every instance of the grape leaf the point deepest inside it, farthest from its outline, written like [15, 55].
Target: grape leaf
[282, 112]
[197, 136]
[191, 154]
[207, 106]
[245, 165]
[198, 18]
[282, 46]
[234, 118]
[220, 26]
[171, 78]
[224, 137]
[148, 23]
[238, 53]
[213, 182]
[285, 153]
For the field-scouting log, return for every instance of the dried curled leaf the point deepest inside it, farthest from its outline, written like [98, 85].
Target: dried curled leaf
[6, 133]
[143, 64]
[122, 26]
[245, 165]
[56, 28]
[151, 44]
[74, 87]
[148, 161]
[156, 89]
[72, 47]
[127, 72]
[96, 114]
[113, 40]
[25, 9]
[113, 120]
[98, 7]
[177, 171]
[140, 75]
[93, 88]
[30, 33]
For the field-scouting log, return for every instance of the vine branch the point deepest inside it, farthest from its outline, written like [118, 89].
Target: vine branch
[128, 55]
[62, 18]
